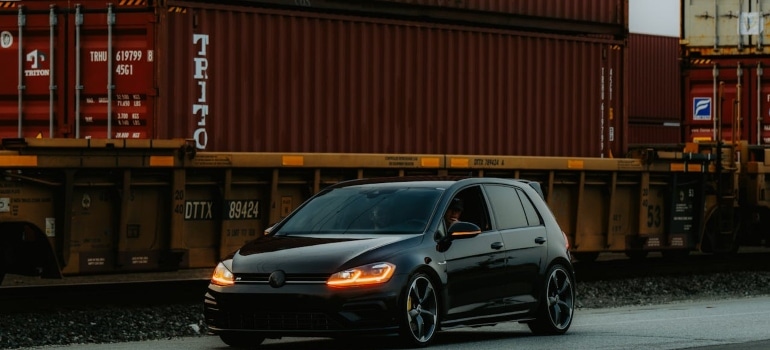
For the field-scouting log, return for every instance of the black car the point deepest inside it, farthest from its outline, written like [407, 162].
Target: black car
[374, 256]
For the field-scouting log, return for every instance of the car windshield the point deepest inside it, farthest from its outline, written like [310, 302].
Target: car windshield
[365, 209]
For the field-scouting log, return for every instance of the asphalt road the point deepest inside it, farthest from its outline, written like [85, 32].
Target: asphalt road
[742, 324]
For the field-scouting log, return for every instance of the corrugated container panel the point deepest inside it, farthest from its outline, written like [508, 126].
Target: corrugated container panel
[255, 79]
[654, 77]
[733, 105]
[725, 27]
[309, 82]
[599, 11]
[644, 133]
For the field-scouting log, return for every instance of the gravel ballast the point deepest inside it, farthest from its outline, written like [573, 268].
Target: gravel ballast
[109, 325]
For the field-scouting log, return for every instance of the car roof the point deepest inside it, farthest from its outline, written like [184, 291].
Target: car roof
[432, 181]
[413, 181]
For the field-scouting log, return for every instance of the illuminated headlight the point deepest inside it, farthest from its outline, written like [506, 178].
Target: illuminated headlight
[363, 275]
[222, 274]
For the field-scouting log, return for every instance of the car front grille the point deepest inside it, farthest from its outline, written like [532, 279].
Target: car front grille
[263, 278]
[279, 321]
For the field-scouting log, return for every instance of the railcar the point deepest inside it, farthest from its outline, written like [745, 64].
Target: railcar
[80, 206]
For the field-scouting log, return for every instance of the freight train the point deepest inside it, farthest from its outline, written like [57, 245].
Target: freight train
[159, 135]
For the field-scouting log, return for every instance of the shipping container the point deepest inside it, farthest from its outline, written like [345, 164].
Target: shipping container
[588, 16]
[654, 78]
[727, 98]
[725, 88]
[654, 90]
[253, 76]
[642, 133]
[725, 27]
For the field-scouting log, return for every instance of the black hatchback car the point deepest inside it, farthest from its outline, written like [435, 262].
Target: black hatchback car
[380, 256]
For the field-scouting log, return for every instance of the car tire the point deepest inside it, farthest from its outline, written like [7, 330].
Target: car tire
[557, 304]
[241, 340]
[420, 307]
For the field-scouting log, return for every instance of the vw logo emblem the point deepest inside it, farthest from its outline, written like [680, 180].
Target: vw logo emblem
[277, 279]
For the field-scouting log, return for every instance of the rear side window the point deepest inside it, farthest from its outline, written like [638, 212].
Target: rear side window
[506, 206]
[533, 218]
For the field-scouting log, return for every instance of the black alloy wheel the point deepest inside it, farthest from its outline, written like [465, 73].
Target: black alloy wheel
[420, 306]
[555, 312]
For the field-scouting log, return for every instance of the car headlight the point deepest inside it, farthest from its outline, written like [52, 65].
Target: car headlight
[222, 275]
[362, 275]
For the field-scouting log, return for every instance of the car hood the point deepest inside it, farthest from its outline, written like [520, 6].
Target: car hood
[310, 254]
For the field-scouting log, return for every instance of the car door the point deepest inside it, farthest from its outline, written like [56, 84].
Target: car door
[524, 237]
[475, 266]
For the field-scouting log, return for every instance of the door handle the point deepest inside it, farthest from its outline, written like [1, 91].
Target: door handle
[540, 240]
[497, 245]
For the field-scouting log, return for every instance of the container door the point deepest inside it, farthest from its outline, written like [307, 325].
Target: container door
[31, 72]
[759, 118]
[82, 71]
[722, 100]
[713, 24]
[726, 27]
[114, 63]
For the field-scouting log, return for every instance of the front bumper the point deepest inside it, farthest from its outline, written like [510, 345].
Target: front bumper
[303, 309]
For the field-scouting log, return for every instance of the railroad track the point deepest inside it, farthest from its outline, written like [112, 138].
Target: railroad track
[619, 268]
[137, 290]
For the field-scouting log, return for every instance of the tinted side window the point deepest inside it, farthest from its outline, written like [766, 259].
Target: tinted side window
[533, 218]
[506, 207]
[475, 210]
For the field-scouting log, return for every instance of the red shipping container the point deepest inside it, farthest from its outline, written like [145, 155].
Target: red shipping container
[644, 133]
[246, 78]
[727, 98]
[595, 12]
[654, 78]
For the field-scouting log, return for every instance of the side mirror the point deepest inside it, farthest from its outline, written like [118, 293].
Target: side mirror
[462, 230]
